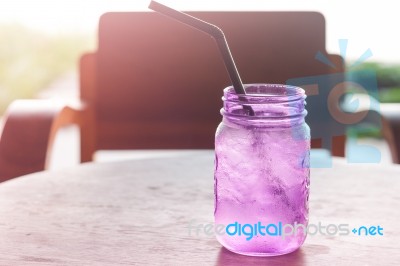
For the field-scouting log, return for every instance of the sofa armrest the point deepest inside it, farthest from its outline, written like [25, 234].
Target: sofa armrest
[29, 129]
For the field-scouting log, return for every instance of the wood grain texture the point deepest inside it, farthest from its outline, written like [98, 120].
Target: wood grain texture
[137, 213]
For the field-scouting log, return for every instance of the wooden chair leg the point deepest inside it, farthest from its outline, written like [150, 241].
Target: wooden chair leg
[87, 70]
[391, 128]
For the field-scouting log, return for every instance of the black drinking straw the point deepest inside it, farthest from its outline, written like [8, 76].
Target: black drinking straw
[212, 30]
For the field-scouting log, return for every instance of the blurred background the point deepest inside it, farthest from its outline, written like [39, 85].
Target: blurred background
[41, 41]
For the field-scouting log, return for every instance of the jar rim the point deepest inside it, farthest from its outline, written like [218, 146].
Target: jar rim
[270, 105]
[269, 92]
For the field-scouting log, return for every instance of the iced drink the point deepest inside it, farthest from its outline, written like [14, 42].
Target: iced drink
[262, 170]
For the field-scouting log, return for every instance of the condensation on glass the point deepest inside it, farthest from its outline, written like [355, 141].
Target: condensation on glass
[262, 177]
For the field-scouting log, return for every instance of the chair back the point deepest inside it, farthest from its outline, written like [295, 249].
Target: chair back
[159, 83]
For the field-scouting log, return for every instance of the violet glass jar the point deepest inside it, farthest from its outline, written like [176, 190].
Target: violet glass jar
[262, 170]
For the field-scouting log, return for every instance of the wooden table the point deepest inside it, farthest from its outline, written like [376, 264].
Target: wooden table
[137, 213]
